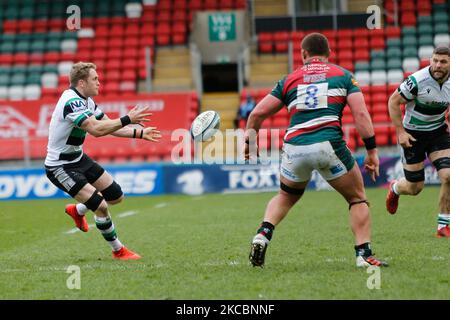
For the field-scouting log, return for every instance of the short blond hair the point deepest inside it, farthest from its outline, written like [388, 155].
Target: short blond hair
[80, 71]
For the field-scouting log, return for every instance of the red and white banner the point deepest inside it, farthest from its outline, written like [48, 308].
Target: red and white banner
[24, 124]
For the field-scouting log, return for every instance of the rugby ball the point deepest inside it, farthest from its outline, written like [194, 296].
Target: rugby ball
[205, 125]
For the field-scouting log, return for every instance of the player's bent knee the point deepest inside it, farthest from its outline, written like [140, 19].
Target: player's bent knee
[112, 202]
[355, 202]
[442, 163]
[415, 188]
[292, 191]
[103, 208]
[94, 202]
[414, 177]
[113, 193]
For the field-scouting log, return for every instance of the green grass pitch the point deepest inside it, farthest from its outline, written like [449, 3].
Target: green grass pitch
[197, 248]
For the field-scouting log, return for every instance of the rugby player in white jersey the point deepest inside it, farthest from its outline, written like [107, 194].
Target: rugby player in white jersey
[72, 171]
[423, 132]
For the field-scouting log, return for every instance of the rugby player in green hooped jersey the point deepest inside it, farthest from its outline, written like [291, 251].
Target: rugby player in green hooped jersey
[424, 133]
[74, 172]
[315, 95]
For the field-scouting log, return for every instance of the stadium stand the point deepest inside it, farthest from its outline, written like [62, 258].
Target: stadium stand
[37, 51]
[379, 58]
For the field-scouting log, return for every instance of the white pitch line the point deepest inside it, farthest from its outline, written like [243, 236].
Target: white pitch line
[122, 215]
[127, 214]
[161, 205]
[74, 230]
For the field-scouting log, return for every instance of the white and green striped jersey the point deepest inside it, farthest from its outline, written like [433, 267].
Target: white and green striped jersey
[427, 101]
[65, 137]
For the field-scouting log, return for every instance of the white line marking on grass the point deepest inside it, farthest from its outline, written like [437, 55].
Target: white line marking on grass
[74, 230]
[121, 215]
[161, 205]
[127, 214]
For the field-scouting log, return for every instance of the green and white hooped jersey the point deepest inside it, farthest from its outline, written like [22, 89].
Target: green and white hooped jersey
[427, 101]
[65, 138]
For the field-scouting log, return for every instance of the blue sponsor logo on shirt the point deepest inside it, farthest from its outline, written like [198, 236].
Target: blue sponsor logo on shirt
[336, 169]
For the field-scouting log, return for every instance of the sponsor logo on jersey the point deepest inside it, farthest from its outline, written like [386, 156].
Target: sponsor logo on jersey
[78, 105]
[314, 77]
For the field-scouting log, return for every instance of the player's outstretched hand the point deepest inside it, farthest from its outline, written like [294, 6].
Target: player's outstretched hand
[151, 134]
[372, 164]
[138, 115]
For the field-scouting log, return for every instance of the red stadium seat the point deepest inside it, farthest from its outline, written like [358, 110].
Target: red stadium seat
[114, 54]
[51, 57]
[100, 53]
[129, 75]
[113, 76]
[281, 47]
[116, 43]
[111, 87]
[148, 29]
[210, 4]
[297, 36]
[25, 26]
[408, 19]
[345, 54]
[37, 58]
[378, 33]
[281, 36]
[114, 64]
[102, 21]
[347, 64]
[83, 55]
[180, 5]
[361, 43]
[393, 32]
[424, 7]
[116, 31]
[195, 5]
[377, 43]
[330, 34]
[179, 38]
[179, 15]
[380, 107]
[378, 89]
[10, 26]
[344, 34]
[147, 41]
[101, 43]
[392, 87]
[164, 5]
[361, 33]
[57, 24]
[379, 98]
[129, 62]
[361, 54]
[381, 118]
[40, 26]
[164, 16]
[344, 44]
[21, 58]
[240, 4]
[132, 30]
[84, 43]
[382, 135]
[265, 47]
